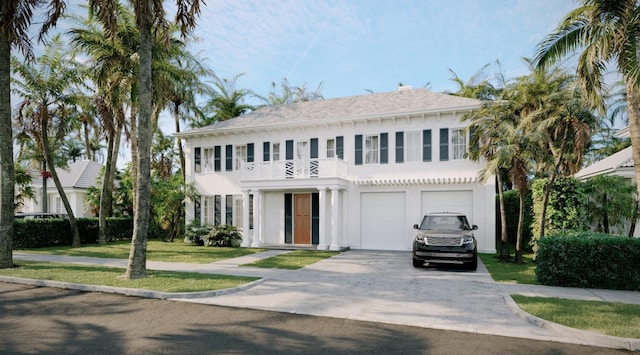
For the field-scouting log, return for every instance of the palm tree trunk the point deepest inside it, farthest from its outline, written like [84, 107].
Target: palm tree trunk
[104, 196]
[179, 141]
[518, 256]
[136, 267]
[633, 106]
[547, 187]
[7, 169]
[56, 180]
[505, 254]
[134, 151]
[44, 198]
[87, 145]
[114, 165]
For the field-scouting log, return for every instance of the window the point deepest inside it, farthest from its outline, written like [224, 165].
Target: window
[302, 150]
[413, 146]
[207, 161]
[340, 147]
[275, 151]
[241, 156]
[197, 213]
[217, 209]
[208, 211]
[371, 149]
[237, 211]
[458, 143]
[331, 148]
[58, 206]
[228, 209]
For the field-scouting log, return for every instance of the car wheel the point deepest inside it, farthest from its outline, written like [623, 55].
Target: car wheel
[418, 263]
[473, 266]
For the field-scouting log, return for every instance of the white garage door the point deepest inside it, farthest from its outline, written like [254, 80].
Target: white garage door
[448, 201]
[382, 221]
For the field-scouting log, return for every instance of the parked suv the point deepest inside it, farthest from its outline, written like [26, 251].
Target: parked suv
[445, 238]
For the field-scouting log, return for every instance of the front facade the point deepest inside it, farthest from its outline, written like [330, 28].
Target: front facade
[353, 172]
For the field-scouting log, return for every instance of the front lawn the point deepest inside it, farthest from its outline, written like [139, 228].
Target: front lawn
[506, 271]
[156, 251]
[165, 281]
[294, 260]
[616, 319]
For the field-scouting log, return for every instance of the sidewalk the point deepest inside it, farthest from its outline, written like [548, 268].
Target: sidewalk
[382, 286]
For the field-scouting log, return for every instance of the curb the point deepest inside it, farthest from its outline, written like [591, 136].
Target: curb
[582, 336]
[135, 292]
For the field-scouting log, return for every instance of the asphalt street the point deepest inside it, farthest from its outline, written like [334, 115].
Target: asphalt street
[41, 320]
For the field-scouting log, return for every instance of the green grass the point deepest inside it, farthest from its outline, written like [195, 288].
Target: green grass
[164, 281]
[616, 319]
[294, 260]
[511, 272]
[156, 251]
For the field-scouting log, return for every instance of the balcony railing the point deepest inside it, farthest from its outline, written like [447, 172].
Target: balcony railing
[294, 169]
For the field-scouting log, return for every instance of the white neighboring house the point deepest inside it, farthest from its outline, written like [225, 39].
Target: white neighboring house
[75, 180]
[617, 164]
[353, 172]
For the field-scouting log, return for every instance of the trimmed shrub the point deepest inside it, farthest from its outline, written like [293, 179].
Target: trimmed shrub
[223, 235]
[41, 233]
[589, 260]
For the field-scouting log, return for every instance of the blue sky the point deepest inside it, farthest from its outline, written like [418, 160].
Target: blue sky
[351, 46]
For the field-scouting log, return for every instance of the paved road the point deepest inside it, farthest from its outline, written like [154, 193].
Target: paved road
[54, 321]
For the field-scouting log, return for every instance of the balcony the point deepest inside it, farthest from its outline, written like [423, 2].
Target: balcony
[294, 169]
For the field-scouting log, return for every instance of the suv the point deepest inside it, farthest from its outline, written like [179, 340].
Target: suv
[445, 238]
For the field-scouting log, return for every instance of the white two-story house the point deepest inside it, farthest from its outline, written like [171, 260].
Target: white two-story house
[353, 172]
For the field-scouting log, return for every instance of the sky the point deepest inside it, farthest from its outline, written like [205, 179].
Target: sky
[352, 47]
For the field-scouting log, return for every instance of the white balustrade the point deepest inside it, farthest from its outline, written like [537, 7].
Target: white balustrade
[294, 169]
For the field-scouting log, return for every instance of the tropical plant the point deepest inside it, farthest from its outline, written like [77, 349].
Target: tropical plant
[603, 32]
[223, 235]
[43, 87]
[290, 94]
[148, 14]
[610, 201]
[15, 21]
[225, 102]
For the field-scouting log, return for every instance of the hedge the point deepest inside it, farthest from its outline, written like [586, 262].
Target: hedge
[41, 233]
[589, 260]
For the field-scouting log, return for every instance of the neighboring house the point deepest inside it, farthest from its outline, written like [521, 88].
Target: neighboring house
[617, 164]
[353, 172]
[75, 180]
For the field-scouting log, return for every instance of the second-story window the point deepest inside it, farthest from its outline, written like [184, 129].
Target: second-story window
[241, 156]
[413, 146]
[207, 160]
[371, 149]
[275, 151]
[458, 143]
[331, 148]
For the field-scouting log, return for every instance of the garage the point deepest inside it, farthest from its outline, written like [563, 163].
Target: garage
[448, 201]
[383, 221]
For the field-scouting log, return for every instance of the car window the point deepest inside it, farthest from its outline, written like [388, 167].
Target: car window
[445, 223]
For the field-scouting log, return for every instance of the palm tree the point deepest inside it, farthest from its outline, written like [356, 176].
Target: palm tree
[148, 14]
[225, 102]
[15, 20]
[605, 32]
[44, 90]
[291, 94]
[552, 105]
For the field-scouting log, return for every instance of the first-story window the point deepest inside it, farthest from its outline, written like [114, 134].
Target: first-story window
[371, 149]
[237, 211]
[207, 211]
[458, 143]
[58, 206]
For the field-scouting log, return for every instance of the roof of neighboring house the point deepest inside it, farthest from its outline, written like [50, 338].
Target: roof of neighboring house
[81, 174]
[403, 102]
[622, 160]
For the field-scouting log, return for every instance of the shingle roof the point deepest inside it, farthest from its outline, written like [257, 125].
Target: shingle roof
[620, 160]
[81, 174]
[401, 102]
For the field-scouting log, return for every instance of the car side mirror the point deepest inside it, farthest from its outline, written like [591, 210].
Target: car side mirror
[474, 227]
[415, 226]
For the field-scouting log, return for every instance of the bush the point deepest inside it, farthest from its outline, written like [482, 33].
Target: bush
[512, 207]
[223, 235]
[195, 232]
[589, 260]
[41, 233]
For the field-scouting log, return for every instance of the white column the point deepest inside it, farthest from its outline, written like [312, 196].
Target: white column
[335, 208]
[246, 232]
[322, 242]
[257, 218]
[344, 214]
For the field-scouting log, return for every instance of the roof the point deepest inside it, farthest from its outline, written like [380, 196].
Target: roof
[403, 102]
[81, 174]
[622, 160]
